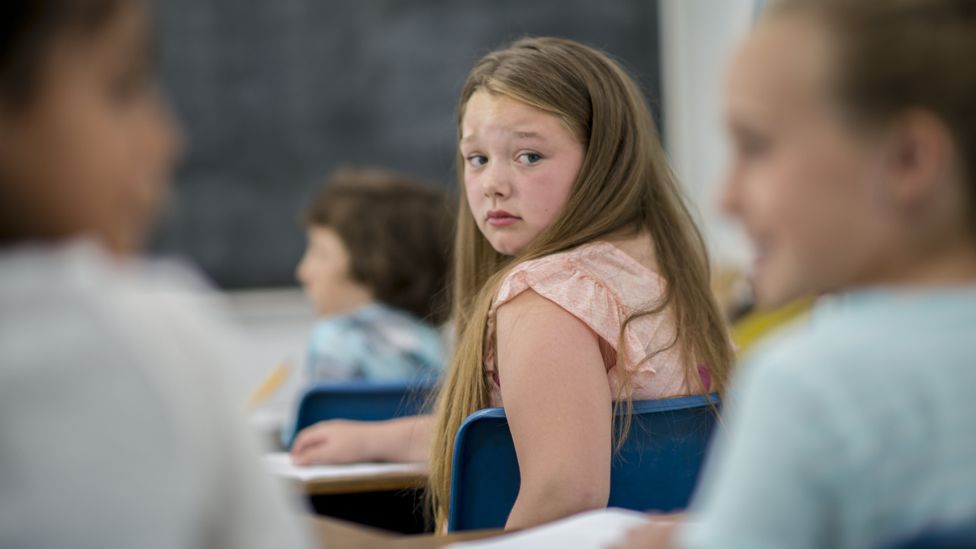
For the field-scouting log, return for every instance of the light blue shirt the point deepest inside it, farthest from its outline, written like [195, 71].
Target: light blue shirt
[374, 343]
[857, 429]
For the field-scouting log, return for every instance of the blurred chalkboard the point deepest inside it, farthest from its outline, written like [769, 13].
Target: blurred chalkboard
[275, 94]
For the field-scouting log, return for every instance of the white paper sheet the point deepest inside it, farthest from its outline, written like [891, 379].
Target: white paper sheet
[279, 463]
[591, 530]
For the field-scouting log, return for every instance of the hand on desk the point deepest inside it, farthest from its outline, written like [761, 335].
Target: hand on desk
[333, 442]
[405, 439]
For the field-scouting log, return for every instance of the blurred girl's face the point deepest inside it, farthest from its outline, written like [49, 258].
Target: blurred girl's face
[91, 150]
[804, 184]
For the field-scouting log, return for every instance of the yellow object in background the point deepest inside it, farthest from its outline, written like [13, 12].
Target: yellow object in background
[271, 383]
[755, 325]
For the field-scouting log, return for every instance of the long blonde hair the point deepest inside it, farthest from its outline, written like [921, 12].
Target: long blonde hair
[625, 183]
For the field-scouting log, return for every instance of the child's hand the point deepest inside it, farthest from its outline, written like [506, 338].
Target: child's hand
[332, 442]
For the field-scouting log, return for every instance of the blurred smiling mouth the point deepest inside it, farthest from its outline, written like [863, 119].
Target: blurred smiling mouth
[501, 218]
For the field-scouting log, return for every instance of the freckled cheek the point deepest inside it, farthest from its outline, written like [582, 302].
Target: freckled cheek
[547, 209]
[554, 200]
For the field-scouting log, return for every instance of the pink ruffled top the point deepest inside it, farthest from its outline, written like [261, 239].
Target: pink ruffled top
[602, 286]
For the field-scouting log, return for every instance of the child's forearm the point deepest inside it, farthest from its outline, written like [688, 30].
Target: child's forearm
[402, 439]
[542, 502]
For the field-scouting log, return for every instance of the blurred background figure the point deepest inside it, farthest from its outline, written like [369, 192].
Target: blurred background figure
[120, 421]
[375, 268]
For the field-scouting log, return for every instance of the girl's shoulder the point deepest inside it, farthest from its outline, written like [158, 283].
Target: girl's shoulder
[597, 267]
[603, 286]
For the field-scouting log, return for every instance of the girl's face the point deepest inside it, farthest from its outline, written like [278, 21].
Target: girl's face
[520, 165]
[90, 152]
[325, 273]
[805, 185]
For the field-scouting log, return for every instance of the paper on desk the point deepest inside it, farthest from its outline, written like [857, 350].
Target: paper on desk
[279, 463]
[591, 530]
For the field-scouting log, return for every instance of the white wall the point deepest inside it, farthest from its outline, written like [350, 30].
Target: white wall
[697, 38]
[275, 324]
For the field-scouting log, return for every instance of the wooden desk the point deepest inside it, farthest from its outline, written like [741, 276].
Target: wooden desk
[388, 496]
[385, 482]
[336, 480]
[338, 534]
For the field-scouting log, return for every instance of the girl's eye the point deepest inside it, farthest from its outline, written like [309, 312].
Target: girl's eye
[754, 148]
[477, 160]
[751, 145]
[529, 158]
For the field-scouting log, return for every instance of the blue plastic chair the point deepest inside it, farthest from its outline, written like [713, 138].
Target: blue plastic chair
[359, 400]
[657, 467]
[956, 536]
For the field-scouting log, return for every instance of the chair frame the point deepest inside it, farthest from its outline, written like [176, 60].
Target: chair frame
[359, 400]
[671, 463]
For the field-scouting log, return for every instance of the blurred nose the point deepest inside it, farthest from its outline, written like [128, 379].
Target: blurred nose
[496, 182]
[729, 199]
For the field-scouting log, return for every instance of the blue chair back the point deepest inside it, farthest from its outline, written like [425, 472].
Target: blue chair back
[657, 467]
[956, 536]
[360, 400]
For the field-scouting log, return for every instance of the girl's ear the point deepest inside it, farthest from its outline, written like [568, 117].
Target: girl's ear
[920, 160]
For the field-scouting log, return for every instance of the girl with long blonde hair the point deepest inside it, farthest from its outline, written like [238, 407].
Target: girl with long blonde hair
[580, 281]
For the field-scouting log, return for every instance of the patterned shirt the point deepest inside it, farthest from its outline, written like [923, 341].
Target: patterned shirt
[374, 343]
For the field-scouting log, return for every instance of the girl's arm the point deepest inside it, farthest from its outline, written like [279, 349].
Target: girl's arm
[659, 533]
[342, 441]
[557, 399]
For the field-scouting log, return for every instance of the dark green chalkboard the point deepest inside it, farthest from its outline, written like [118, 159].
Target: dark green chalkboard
[274, 94]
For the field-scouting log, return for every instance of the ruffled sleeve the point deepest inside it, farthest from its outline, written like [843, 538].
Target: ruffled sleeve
[602, 287]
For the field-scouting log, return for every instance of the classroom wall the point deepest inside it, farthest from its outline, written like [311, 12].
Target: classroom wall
[697, 38]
